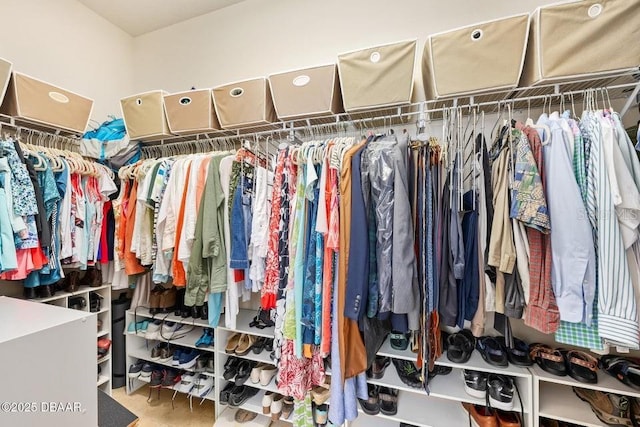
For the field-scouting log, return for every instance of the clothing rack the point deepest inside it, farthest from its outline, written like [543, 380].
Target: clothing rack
[350, 124]
[35, 135]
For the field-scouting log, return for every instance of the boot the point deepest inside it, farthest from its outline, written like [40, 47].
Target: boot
[167, 300]
[30, 293]
[72, 281]
[204, 311]
[44, 291]
[195, 312]
[93, 278]
[179, 301]
[154, 299]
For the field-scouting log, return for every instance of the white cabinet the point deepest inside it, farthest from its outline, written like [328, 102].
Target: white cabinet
[46, 355]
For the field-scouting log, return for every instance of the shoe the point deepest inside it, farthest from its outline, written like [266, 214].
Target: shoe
[154, 299]
[180, 292]
[156, 351]
[371, 406]
[104, 344]
[267, 400]
[186, 383]
[408, 373]
[240, 395]
[500, 388]
[320, 414]
[138, 328]
[258, 345]
[460, 346]
[156, 378]
[171, 378]
[610, 408]
[169, 329]
[379, 365]
[72, 281]
[244, 371]
[210, 368]
[276, 407]
[268, 345]
[243, 416]
[188, 359]
[244, 344]
[508, 419]
[153, 330]
[29, 293]
[232, 343]
[475, 383]
[194, 312]
[267, 374]
[398, 340]
[231, 368]
[206, 339]
[201, 364]
[492, 351]
[136, 369]
[95, 302]
[175, 360]
[320, 394]
[287, 407]
[255, 372]
[45, 291]
[166, 354]
[439, 370]
[167, 301]
[224, 394]
[92, 278]
[388, 401]
[483, 416]
[202, 386]
[204, 311]
[147, 369]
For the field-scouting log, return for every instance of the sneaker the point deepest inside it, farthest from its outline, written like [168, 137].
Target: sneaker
[171, 378]
[201, 364]
[408, 373]
[153, 330]
[156, 352]
[169, 329]
[139, 328]
[147, 369]
[188, 359]
[176, 356]
[210, 366]
[156, 378]
[475, 383]
[202, 386]
[610, 408]
[135, 370]
[206, 340]
[166, 354]
[186, 382]
[500, 389]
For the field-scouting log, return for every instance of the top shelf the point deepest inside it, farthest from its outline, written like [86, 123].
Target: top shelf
[477, 363]
[606, 383]
[169, 317]
[60, 295]
[243, 319]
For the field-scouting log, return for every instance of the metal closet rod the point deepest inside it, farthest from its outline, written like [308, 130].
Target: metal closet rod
[342, 121]
[39, 137]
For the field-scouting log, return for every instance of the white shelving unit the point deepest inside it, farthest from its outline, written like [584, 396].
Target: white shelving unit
[61, 299]
[139, 348]
[556, 400]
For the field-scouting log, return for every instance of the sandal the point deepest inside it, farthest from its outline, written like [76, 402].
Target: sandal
[519, 353]
[626, 371]
[320, 394]
[398, 341]
[244, 344]
[492, 352]
[548, 359]
[460, 346]
[581, 366]
[232, 343]
[408, 373]
[243, 416]
[371, 406]
[388, 401]
[287, 407]
[320, 414]
[379, 365]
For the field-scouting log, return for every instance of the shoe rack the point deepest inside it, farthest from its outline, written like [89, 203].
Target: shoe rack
[556, 400]
[138, 347]
[254, 403]
[62, 299]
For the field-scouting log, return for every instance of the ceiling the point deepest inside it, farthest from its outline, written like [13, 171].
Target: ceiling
[138, 17]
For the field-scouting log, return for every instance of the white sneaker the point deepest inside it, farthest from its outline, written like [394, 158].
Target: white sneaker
[267, 373]
[153, 330]
[186, 383]
[202, 386]
[169, 329]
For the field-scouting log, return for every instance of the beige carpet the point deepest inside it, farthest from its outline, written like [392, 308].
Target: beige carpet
[159, 413]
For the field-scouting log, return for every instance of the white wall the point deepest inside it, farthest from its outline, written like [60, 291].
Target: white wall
[259, 37]
[67, 44]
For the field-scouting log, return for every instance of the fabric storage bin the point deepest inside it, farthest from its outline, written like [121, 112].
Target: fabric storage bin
[191, 112]
[244, 104]
[380, 76]
[33, 100]
[306, 93]
[144, 115]
[582, 38]
[475, 59]
[5, 76]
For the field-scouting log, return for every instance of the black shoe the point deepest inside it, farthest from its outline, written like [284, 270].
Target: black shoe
[500, 388]
[440, 370]
[171, 378]
[231, 368]
[244, 371]
[204, 311]
[475, 383]
[241, 394]
[388, 401]
[156, 378]
[224, 394]
[408, 373]
[371, 406]
[30, 293]
[179, 301]
[195, 312]
[45, 291]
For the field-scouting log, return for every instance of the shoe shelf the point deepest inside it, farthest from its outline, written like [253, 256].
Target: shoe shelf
[62, 294]
[388, 351]
[243, 319]
[209, 396]
[262, 357]
[254, 404]
[102, 333]
[144, 354]
[104, 359]
[418, 410]
[227, 418]
[185, 340]
[168, 317]
[560, 403]
[269, 387]
[477, 363]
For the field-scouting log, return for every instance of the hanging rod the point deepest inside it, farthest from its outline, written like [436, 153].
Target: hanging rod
[36, 136]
